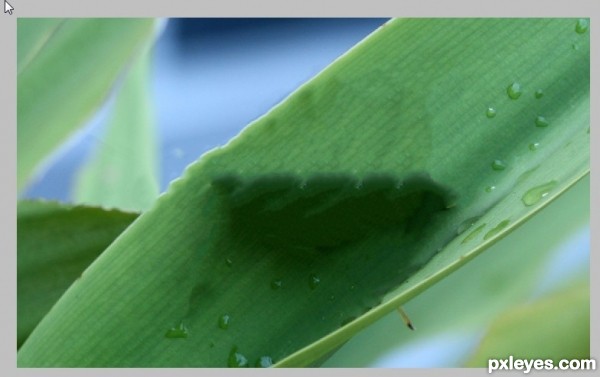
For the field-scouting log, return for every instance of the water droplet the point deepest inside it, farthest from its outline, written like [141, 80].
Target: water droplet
[177, 332]
[276, 284]
[540, 121]
[228, 262]
[497, 229]
[236, 359]
[466, 224]
[534, 146]
[581, 26]
[224, 321]
[498, 165]
[490, 188]
[534, 195]
[264, 362]
[490, 112]
[473, 234]
[539, 93]
[514, 90]
[313, 281]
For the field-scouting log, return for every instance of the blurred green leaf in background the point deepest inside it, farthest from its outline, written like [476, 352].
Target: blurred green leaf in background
[66, 68]
[123, 173]
[557, 327]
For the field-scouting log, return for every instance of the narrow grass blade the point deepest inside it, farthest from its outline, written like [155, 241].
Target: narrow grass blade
[123, 172]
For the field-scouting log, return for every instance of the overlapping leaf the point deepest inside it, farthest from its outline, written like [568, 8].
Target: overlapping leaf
[123, 172]
[55, 244]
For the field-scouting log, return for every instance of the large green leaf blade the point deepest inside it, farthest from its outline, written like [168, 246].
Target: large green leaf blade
[55, 244]
[410, 98]
[123, 171]
[66, 78]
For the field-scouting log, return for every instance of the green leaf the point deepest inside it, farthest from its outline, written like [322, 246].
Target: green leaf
[67, 70]
[411, 98]
[33, 34]
[55, 244]
[555, 327]
[123, 172]
[506, 274]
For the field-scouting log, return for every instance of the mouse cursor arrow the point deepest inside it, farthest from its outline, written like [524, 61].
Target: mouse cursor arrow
[8, 8]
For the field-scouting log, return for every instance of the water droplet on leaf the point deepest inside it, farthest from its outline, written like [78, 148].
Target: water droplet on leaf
[514, 90]
[178, 332]
[313, 281]
[224, 321]
[264, 362]
[539, 93]
[236, 359]
[582, 26]
[473, 234]
[492, 232]
[541, 121]
[534, 146]
[490, 112]
[498, 165]
[534, 195]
